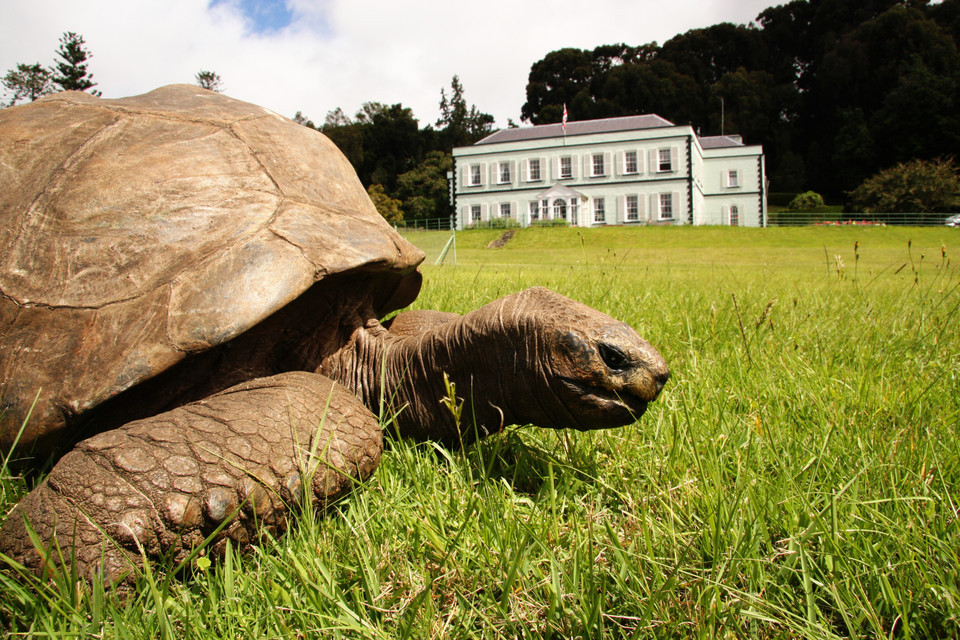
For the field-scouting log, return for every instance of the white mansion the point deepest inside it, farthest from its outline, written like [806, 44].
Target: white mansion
[630, 170]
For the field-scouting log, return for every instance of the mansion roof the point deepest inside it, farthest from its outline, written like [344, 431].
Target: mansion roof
[603, 125]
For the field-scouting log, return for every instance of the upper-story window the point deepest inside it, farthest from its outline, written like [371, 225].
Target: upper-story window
[664, 160]
[475, 175]
[596, 167]
[666, 206]
[633, 208]
[533, 170]
[630, 162]
[566, 167]
[599, 210]
[503, 173]
[733, 178]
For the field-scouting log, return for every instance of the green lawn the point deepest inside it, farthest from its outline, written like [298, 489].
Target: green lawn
[800, 476]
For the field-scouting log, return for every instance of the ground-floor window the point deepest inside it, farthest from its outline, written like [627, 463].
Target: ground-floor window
[475, 213]
[666, 206]
[633, 208]
[559, 209]
[534, 209]
[505, 210]
[599, 210]
[734, 216]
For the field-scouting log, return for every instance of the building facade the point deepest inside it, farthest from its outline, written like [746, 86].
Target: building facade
[631, 170]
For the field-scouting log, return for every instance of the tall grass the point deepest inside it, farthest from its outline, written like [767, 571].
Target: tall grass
[799, 478]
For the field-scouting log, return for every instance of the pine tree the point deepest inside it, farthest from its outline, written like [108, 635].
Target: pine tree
[71, 74]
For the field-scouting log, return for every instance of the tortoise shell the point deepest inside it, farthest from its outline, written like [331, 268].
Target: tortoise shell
[138, 231]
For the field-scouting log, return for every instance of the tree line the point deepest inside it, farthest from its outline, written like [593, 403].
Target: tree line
[834, 90]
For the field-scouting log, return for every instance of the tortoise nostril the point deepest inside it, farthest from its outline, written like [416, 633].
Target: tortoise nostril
[614, 357]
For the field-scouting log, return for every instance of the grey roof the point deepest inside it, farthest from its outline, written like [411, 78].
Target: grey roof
[719, 142]
[579, 128]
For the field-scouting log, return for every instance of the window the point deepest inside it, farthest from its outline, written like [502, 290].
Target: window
[534, 210]
[630, 162]
[599, 210]
[475, 213]
[734, 216]
[633, 208]
[475, 175]
[597, 168]
[566, 167]
[664, 160]
[504, 209]
[666, 206]
[533, 170]
[504, 172]
[733, 178]
[559, 209]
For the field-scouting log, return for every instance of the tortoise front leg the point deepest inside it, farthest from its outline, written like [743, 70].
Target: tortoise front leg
[238, 459]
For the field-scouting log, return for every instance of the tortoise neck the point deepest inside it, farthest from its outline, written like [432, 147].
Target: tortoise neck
[401, 378]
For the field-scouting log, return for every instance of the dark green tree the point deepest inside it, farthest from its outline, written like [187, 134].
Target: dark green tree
[562, 77]
[70, 72]
[27, 82]
[209, 80]
[347, 135]
[917, 186]
[459, 124]
[301, 119]
[706, 55]
[424, 190]
[381, 142]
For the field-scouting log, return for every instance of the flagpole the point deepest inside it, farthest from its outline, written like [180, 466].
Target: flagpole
[563, 124]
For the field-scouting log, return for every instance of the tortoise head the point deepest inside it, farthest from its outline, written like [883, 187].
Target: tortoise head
[589, 371]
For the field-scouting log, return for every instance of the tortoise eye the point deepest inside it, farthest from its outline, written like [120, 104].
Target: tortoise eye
[613, 357]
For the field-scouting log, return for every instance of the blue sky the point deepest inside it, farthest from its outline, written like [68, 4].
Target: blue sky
[317, 55]
[264, 15]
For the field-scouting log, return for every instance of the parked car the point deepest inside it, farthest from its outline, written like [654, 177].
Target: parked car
[953, 221]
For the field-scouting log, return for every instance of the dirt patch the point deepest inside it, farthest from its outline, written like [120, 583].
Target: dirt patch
[502, 240]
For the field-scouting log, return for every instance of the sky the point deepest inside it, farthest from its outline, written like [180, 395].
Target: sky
[315, 56]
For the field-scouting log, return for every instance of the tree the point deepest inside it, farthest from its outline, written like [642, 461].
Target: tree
[562, 77]
[388, 207]
[70, 73]
[917, 186]
[209, 80]
[27, 81]
[391, 143]
[461, 125]
[424, 190]
[301, 119]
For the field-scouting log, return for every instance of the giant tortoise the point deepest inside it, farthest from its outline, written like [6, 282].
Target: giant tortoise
[191, 294]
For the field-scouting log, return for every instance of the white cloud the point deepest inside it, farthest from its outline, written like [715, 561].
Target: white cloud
[341, 53]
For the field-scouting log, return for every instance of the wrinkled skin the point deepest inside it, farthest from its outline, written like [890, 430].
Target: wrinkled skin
[240, 457]
[161, 485]
[535, 357]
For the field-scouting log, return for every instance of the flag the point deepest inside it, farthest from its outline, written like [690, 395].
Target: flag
[564, 122]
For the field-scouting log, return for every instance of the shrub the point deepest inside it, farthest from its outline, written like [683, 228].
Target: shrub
[806, 200]
[917, 186]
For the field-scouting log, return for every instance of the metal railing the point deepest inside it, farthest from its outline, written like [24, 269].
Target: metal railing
[806, 219]
[774, 219]
[431, 224]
